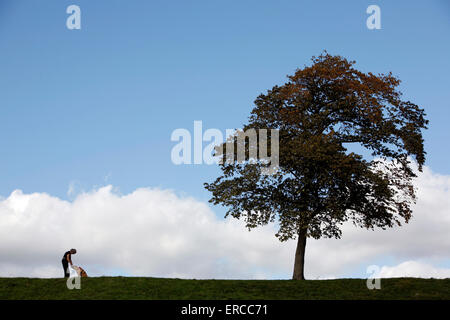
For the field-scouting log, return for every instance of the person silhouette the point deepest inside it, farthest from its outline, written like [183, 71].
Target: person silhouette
[66, 260]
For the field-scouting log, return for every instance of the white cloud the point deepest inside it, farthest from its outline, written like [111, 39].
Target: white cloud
[148, 232]
[414, 269]
[153, 232]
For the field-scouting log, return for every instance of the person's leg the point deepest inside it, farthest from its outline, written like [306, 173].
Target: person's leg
[66, 269]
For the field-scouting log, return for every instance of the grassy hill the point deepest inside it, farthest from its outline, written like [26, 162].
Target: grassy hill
[156, 288]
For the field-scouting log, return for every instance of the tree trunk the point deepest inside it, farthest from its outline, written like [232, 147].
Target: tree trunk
[299, 264]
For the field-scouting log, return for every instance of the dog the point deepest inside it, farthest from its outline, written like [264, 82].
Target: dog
[80, 271]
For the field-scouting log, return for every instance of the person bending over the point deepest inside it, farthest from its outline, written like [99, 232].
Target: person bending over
[66, 260]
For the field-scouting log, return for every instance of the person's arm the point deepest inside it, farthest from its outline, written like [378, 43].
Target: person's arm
[69, 258]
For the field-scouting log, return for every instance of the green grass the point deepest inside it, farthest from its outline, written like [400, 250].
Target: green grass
[167, 289]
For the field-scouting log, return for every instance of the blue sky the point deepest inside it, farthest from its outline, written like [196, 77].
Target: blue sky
[97, 106]
[101, 102]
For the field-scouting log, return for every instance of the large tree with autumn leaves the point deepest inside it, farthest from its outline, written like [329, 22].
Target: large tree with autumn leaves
[322, 111]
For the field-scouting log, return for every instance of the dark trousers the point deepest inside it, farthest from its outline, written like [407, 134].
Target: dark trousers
[66, 268]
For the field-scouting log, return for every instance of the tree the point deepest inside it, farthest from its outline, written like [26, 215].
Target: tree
[322, 112]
